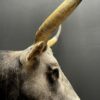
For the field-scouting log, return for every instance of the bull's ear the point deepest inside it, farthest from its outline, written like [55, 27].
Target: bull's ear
[36, 50]
[30, 56]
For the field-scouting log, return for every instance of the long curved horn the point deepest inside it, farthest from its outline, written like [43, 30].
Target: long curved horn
[53, 40]
[55, 19]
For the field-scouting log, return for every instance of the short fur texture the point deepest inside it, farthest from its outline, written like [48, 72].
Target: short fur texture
[21, 79]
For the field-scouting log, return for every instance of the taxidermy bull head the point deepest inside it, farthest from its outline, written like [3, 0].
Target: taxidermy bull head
[34, 73]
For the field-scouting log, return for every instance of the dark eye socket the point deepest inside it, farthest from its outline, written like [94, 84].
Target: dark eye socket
[55, 73]
[52, 74]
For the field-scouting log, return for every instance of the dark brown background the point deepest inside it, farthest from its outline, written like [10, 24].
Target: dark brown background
[78, 49]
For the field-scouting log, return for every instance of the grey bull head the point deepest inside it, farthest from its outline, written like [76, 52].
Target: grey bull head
[34, 73]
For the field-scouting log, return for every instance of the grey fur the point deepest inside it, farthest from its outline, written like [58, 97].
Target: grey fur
[20, 80]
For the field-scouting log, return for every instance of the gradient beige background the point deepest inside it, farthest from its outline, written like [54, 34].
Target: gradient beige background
[78, 49]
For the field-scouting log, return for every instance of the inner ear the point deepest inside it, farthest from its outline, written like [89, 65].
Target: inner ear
[36, 50]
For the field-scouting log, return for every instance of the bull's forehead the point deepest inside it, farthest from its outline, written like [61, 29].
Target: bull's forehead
[48, 57]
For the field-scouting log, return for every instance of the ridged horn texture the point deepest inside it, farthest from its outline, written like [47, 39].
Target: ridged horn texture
[55, 19]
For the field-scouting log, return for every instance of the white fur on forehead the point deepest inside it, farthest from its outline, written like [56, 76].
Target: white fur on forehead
[49, 50]
[47, 57]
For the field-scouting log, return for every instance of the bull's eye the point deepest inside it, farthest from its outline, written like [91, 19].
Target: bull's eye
[52, 74]
[55, 73]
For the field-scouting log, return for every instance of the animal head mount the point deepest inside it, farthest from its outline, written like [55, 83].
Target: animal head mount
[34, 73]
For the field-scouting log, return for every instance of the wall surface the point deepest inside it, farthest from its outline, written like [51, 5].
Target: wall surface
[78, 49]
